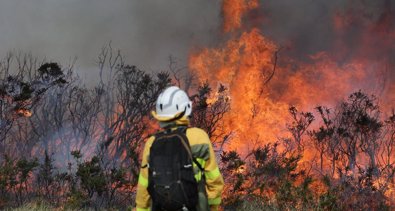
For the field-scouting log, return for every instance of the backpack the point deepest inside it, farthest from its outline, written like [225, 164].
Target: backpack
[171, 179]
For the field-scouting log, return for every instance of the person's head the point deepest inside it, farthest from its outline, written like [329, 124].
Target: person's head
[172, 104]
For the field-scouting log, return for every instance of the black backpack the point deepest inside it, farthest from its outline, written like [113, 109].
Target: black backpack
[171, 182]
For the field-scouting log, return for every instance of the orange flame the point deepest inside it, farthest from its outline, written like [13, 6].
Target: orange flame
[24, 112]
[233, 11]
[246, 61]
[243, 65]
[259, 111]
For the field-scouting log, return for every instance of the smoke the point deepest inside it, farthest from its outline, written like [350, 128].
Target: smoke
[357, 32]
[309, 26]
[147, 32]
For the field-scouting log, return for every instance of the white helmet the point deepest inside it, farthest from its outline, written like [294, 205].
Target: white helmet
[173, 103]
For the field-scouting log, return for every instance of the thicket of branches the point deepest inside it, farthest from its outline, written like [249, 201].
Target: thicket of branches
[345, 162]
[67, 144]
[76, 147]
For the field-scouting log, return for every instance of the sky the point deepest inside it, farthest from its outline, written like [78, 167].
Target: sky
[147, 32]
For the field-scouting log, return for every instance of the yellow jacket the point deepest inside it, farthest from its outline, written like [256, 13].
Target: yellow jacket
[203, 151]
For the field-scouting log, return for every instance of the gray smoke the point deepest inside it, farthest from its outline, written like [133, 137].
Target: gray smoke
[308, 25]
[146, 31]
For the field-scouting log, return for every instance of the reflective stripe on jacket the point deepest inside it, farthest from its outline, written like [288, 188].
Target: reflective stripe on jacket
[203, 151]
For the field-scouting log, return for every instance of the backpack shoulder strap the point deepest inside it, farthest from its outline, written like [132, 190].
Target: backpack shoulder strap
[156, 135]
[186, 144]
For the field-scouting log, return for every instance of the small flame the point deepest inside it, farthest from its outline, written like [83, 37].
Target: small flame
[233, 11]
[24, 112]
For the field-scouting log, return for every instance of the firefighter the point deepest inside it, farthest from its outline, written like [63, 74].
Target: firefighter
[173, 108]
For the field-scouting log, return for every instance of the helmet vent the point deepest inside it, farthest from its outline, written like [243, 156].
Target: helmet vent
[161, 107]
[177, 106]
[189, 105]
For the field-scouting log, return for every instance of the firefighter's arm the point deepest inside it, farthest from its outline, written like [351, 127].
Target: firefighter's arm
[143, 199]
[214, 181]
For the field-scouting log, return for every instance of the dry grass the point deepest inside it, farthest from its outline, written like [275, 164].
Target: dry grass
[33, 207]
[38, 206]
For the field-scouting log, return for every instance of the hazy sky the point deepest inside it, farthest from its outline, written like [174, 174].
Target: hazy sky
[146, 31]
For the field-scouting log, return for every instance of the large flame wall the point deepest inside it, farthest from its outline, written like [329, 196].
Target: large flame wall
[247, 59]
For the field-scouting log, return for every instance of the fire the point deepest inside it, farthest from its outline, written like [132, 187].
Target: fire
[243, 65]
[233, 11]
[247, 61]
[262, 89]
[24, 112]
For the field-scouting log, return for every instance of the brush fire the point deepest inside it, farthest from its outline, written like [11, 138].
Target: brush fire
[298, 120]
